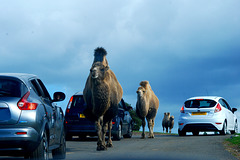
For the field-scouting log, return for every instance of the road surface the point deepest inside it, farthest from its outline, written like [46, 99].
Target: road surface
[171, 147]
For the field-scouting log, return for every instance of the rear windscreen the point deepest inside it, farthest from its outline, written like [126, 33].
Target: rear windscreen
[200, 103]
[78, 101]
[12, 88]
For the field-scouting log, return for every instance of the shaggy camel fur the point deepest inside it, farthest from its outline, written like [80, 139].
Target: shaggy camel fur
[102, 93]
[147, 106]
[168, 122]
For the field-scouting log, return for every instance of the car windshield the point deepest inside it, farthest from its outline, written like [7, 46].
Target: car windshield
[200, 103]
[12, 88]
[78, 102]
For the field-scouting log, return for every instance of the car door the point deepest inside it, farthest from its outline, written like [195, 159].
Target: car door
[229, 114]
[47, 103]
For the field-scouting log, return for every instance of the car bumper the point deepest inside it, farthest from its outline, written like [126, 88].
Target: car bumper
[187, 124]
[18, 139]
[81, 129]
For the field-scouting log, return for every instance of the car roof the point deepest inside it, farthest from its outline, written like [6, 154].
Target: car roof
[215, 98]
[22, 76]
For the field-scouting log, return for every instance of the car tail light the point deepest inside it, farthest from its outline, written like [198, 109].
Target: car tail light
[218, 108]
[69, 105]
[23, 104]
[182, 109]
[21, 133]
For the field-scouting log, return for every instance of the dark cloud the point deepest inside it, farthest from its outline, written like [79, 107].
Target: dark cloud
[182, 48]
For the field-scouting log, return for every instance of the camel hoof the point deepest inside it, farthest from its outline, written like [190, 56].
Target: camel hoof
[143, 137]
[101, 148]
[109, 145]
[150, 136]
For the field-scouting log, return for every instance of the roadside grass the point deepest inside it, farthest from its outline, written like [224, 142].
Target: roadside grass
[233, 145]
[235, 140]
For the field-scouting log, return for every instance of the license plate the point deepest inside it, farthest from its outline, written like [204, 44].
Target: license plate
[82, 116]
[199, 113]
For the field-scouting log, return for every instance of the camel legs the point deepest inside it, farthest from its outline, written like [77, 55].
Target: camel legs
[143, 126]
[109, 143]
[150, 127]
[101, 136]
[166, 129]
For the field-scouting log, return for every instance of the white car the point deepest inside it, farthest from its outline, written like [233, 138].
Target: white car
[207, 113]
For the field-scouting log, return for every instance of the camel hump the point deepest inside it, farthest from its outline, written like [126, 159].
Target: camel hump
[145, 84]
[100, 55]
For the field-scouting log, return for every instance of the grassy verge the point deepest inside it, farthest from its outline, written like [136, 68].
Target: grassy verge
[233, 145]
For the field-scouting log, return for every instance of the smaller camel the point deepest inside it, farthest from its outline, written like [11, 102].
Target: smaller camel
[147, 107]
[168, 122]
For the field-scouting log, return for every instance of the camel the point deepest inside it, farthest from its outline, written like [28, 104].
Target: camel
[168, 122]
[147, 107]
[102, 93]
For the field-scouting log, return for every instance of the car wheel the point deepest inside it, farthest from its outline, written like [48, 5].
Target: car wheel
[60, 153]
[41, 152]
[181, 133]
[129, 134]
[195, 133]
[224, 129]
[118, 136]
[235, 128]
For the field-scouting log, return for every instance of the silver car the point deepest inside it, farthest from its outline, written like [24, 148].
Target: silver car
[31, 125]
[207, 113]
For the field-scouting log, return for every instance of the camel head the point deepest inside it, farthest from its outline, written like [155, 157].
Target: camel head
[98, 71]
[141, 91]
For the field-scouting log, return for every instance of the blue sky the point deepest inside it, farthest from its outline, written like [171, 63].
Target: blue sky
[183, 48]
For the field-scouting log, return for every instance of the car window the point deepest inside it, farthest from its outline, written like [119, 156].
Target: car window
[12, 88]
[44, 89]
[78, 101]
[224, 104]
[36, 87]
[203, 103]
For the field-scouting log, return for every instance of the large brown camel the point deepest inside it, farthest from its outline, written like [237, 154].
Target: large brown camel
[102, 93]
[147, 106]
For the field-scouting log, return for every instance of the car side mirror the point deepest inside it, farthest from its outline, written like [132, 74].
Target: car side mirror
[58, 96]
[234, 110]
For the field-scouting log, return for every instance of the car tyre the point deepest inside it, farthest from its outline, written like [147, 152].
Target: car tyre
[60, 153]
[235, 128]
[129, 134]
[118, 136]
[41, 152]
[224, 129]
[181, 133]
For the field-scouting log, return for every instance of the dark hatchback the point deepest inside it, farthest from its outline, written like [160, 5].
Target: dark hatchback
[76, 123]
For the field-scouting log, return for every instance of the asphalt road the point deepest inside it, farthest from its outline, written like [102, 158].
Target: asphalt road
[162, 147]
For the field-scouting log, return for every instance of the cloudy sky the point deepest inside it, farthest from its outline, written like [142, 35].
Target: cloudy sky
[183, 48]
